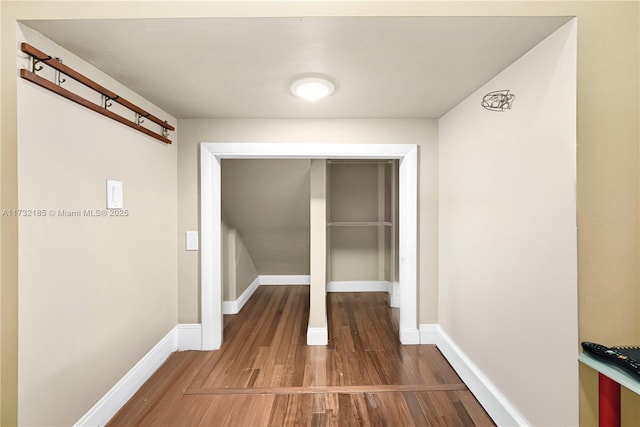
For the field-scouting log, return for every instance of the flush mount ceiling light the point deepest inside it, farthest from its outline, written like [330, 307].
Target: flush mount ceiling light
[312, 88]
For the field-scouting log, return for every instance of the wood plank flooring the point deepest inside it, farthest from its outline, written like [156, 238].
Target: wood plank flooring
[266, 375]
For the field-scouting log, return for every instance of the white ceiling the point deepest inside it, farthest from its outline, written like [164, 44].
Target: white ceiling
[384, 67]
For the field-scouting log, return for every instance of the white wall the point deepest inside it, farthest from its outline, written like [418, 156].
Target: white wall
[402, 131]
[95, 293]
[508, 262]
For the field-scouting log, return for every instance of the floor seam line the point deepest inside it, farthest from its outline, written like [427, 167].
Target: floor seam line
[328, 389]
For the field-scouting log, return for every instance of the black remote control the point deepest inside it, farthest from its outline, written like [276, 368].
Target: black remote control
[613, 355]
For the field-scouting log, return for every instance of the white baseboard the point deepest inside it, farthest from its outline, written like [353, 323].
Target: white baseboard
[317, 336]
[394, 294]
[234, 307]
[429, 333]
[358, 286]
[189, 336]
[186, 336]
[230, 307]
[493, 401]
[120, 393]
[410, 336]
[284, 280]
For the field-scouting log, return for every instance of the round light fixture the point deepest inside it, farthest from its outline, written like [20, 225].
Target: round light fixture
[312, 88]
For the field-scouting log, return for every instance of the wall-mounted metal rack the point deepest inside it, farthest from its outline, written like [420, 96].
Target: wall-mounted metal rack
[38, 57]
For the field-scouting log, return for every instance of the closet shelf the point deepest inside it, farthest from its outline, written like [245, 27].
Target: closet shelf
[359, 224]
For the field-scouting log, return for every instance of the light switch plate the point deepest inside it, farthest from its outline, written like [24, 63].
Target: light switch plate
[191, 239]
[115, 196]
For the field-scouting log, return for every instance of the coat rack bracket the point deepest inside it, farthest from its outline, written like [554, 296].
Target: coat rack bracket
[38, 58]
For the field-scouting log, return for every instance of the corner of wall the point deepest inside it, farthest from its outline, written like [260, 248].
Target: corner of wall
[8, 225]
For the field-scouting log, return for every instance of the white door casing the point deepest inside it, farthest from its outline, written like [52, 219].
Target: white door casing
[211, 210]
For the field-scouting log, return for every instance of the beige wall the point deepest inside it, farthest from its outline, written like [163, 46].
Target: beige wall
[188, 220]
[353, 192]
[418, 131]
[508, 228]
[239, 270]
[246, 271]
[96, 293]
[359, 192]
[228, 263]
[267, 201]
[318, 243]
[353, 254]
[608, 249]
[608, 179]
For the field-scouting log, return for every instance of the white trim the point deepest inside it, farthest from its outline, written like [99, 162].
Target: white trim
[358, 286]
[394, 294]
[210, 251]
[230, 307]
[234, 307]
[429, 333]
[493, 401]
[408, 247]
[317, 336]
[394, 302]
[271, 279]
[124, 389]
[189, 336]
[185, 336]
[409, 336]
[210, 219]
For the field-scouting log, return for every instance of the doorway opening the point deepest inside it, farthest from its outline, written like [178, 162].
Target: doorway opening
[211, 216]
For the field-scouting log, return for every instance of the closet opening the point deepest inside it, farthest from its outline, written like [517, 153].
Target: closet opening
[365, 248]
[362, 227]
[266, 228]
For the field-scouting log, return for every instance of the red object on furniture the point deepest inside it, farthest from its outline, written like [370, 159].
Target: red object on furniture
[608, 402]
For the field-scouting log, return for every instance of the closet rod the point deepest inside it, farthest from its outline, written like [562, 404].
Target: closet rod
[41, 81]
[57, 65]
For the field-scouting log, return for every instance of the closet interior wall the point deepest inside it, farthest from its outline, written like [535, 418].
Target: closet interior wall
[362, 224]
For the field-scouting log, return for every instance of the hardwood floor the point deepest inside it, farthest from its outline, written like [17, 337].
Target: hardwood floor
[266, 375]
